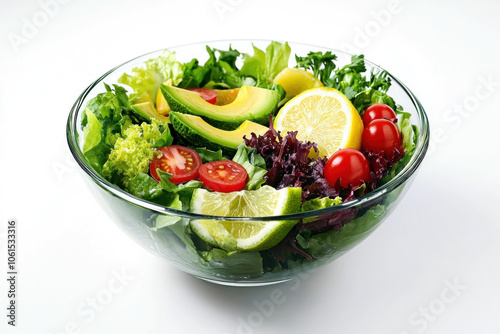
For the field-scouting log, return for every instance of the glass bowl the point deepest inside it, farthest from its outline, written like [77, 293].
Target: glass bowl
[345, 225]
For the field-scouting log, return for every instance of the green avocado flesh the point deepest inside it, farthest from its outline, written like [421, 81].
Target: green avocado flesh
[252, 104]
[199, 133]
[147, 111]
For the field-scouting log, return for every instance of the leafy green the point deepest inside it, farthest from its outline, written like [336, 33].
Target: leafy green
[104, 118]
[92, 132]
[362, 90]
[318, 245]
[147, 79]
[254, 164]
[107, 107]
[369, 96]
[265, 66]
[407, 131]
[184, 190]
[410, 134]
[320, 203]
[132, 153]
[144, 186]
[166, 138]
[193, 74]
[321, 64]
[254, 65]
[164, 192]
[169, 220]
[217, 72]
[220, 71]
[95, 148]
[234, 263]
[207, 155]
[277, 55]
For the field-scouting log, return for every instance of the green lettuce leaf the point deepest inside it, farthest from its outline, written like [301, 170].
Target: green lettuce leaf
[408, 131]
[183, 190]
[132, 153]
[148, 78]
[318, 245]
[144, 186]
[103, 120]
[254, 164]
[92, 132]
[321, 64]
[320, 203]
[207, 155]
[410, 135]
[253, 66]
[264, 67]
[218, 72]
[234, 263]
[95, 148]
[277, 55]
[363, 90]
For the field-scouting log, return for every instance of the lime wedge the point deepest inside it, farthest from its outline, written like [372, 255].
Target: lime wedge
[246, 236]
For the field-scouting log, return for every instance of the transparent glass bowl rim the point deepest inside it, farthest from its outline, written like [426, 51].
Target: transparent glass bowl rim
[404, 174]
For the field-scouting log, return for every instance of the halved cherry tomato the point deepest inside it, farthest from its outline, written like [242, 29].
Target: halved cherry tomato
[207, 94]
[381, 136]
[223, 176]
[348, 165]
[378, 111]
[181, 162]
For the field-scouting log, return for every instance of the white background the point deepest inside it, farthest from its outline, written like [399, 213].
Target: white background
[432, 267]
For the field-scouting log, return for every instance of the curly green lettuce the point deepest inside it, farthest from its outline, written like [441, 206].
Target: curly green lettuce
[133, 151]
[147, 80]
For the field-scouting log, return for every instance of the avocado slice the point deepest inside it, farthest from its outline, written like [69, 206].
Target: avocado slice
[146, 110]
[252, 103]
[198, 132]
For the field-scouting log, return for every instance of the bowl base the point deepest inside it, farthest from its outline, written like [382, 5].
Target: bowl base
[242, 283]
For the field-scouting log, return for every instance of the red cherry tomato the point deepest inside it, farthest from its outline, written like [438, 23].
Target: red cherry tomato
[348, 165]
[381, 136]
[223, 176]
[182, 162]
[207, 94]
[378, 111]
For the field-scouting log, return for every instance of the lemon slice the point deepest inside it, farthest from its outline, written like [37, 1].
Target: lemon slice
[324, 116]
[238, 235]
[295, 81]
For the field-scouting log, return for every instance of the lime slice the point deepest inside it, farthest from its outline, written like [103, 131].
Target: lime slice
[238, 235]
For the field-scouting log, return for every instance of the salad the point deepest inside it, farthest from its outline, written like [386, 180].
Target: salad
[250, 135]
